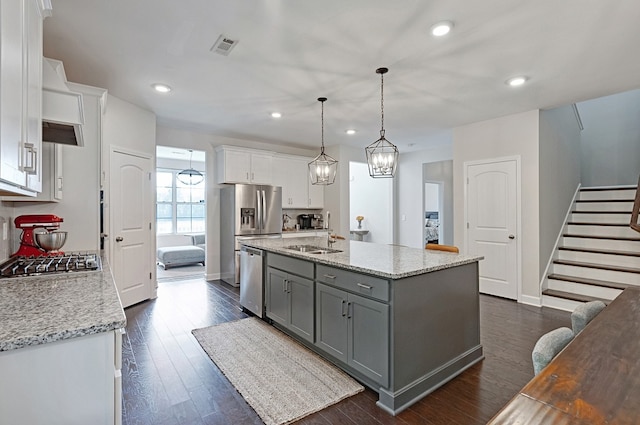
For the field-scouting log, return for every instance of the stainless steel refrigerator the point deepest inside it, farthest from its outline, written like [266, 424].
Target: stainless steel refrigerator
[246, 211]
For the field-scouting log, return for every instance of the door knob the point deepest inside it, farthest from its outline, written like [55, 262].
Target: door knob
[119, 238]
[512, 237]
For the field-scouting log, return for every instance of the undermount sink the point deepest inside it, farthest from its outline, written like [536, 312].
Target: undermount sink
[311, 249]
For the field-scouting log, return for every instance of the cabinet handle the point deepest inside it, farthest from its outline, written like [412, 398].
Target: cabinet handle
[329, 276]
[362, 285]
[284, 285]
[60, 182]
[349, 310]
[247, 175]
[31, 159]
[342, 308]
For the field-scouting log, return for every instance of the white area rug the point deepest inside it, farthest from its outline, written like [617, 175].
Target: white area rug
[279, 378]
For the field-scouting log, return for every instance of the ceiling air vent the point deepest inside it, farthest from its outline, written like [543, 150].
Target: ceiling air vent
[224, 45]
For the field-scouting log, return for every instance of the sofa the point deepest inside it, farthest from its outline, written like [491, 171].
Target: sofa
[180, 250]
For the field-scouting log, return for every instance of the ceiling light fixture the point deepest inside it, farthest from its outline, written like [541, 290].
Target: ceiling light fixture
[190, 176]
[516, 81]
[382, 155]
[161, 88]
[441, 28]
[322, 170]
[350, 131]
[276, 115]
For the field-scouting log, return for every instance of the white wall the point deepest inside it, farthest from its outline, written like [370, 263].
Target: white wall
[506, 136]
[409, 194]
[559, 175]
[610, 142]
[372, 199]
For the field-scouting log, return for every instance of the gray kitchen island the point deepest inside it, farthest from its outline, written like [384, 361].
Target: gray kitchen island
[401, 320]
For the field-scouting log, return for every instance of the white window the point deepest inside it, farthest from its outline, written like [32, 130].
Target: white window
[180, 208]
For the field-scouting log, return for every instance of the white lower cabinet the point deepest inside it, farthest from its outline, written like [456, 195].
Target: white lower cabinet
[75, 381]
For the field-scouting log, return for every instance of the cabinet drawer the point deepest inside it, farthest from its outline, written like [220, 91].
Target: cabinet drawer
[290, 265]
[370, 286]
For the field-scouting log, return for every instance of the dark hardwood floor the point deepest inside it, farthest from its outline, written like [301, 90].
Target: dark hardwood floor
[168, 379]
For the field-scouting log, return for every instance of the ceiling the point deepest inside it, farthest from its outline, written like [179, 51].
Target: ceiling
[289, 53]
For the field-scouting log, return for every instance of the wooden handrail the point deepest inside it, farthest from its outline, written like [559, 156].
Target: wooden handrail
[634, 224]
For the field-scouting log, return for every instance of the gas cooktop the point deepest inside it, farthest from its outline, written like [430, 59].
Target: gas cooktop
[68, 262]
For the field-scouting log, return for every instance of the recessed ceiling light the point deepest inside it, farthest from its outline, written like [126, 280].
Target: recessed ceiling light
[162, 88]
[350, 131]
[276, 115]
[441, 28]
[516, 81]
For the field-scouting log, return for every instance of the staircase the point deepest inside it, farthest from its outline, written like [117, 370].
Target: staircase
[598, 255]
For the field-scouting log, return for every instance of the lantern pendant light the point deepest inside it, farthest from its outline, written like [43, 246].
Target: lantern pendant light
[190, 176]
[382, 155]
[322, 170]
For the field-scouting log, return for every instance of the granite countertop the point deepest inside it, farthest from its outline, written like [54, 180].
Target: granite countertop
[42, 309]
[387, 261]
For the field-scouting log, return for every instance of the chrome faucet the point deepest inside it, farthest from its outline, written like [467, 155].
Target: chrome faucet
[331, 239]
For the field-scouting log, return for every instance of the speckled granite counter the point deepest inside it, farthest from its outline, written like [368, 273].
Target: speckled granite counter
[387, 261]
[42, 309]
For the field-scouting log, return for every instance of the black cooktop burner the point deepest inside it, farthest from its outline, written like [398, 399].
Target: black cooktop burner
[64, 263]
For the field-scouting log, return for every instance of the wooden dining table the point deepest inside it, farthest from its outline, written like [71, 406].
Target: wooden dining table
[594, 380]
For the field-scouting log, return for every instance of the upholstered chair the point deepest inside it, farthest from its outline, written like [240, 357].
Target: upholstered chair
[584, 313]
[548, 346]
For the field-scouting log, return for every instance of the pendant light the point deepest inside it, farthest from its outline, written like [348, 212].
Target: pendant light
[382, 155]
[322, 170]
[190, 176]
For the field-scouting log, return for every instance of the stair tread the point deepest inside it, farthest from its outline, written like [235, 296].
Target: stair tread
[615, 238]
[597, 266]
[604, 200]
[587, 281]
[595, 223]
[572, 296]
[600, 212]
[606, 188]
[600, 251]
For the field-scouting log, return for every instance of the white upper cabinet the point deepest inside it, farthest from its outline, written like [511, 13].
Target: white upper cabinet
[292, 173]
[238, 165]
[20, 96]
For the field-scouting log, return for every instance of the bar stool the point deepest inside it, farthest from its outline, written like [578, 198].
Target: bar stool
[548, 346]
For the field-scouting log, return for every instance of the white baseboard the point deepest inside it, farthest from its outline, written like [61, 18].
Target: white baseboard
[212, 276]
[529, 300]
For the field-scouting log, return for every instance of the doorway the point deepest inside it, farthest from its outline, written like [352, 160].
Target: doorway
[180, 210]
[432, 212]
[371, 199]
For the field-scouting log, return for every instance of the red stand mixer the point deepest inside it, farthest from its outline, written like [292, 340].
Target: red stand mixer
[31, 243]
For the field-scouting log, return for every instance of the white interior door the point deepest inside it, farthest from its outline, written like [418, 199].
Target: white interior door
[131, 231]
[492, 217]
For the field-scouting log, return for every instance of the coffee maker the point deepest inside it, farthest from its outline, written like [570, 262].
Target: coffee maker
[316, 221]
[304, 221]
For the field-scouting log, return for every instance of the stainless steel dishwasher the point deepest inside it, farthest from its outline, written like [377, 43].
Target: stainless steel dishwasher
[251, 276]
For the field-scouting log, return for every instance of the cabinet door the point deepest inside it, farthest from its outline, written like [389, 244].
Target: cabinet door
[331, 321]
[32, 163]
[277, 297]
[299, 176]
[281, 177]
[260, 172]
[301, 303]
[12, 80]
[368, 350]
[237, 166]
[316, 195]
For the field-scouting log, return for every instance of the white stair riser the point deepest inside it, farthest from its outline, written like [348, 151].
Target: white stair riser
[560, 303]
[613, 231]
[582, 289]
[608, 194]
[589, 273]
[633, 246]
[601, 218]
[597, 258]
[604, 206]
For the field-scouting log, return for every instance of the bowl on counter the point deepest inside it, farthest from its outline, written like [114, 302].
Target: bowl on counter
[51, 241]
